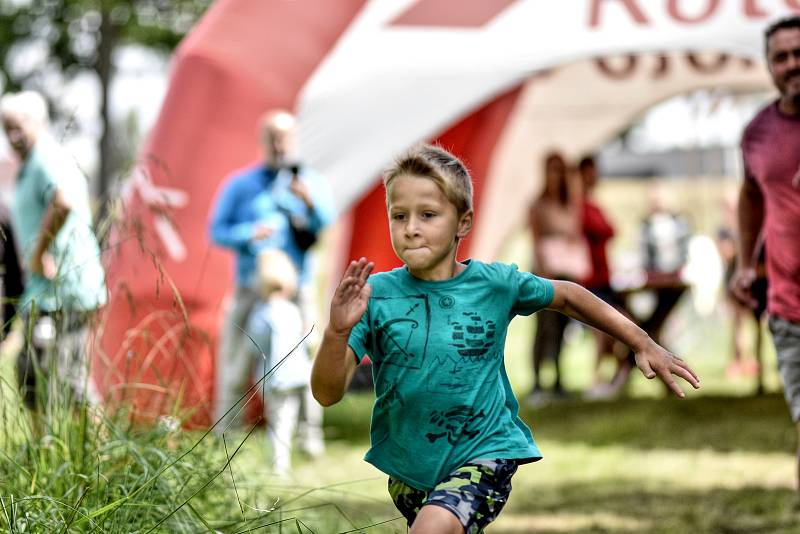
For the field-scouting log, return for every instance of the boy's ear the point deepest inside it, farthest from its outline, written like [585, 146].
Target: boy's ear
[465, 224]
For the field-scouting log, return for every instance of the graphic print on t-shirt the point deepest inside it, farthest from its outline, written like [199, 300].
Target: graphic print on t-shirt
[391, 396]
[455, 423]
[471, 345]
[446, 302]
[403, 338]
[472, 336]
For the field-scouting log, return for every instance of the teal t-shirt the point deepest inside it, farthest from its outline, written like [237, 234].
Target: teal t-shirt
[79, 283]
[442, 392]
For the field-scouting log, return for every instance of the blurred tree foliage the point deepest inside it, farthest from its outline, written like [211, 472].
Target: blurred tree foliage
[46, 43]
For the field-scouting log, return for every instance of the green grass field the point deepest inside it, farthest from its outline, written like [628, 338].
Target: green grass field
[706, 464]
[719, 461]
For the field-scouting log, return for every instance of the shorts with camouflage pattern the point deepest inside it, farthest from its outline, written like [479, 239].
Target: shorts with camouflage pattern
[475, 493]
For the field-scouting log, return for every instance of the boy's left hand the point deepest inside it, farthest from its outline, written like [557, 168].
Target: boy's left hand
[655, 361]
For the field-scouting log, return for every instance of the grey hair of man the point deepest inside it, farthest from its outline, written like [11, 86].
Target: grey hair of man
[28, 107]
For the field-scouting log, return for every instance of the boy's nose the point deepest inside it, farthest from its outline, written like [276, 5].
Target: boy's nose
[412, 227]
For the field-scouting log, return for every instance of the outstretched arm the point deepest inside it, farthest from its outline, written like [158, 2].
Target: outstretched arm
[652, 359]
[336, 362]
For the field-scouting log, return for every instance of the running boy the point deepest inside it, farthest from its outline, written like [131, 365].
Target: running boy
[444, 425]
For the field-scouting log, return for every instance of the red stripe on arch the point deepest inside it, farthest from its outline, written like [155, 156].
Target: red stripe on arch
[451, 13]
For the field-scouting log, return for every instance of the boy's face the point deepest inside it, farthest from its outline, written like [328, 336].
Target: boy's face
[425, 227]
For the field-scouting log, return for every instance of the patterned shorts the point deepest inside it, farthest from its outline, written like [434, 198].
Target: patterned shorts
[475, 493]
[786, 336]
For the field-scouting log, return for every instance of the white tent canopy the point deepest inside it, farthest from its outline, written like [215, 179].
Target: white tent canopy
[575, 108]
[394, 79]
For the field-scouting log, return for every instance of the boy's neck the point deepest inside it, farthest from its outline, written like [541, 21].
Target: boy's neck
[455, 268]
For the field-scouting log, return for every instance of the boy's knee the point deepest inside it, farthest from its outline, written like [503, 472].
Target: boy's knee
[434, 519]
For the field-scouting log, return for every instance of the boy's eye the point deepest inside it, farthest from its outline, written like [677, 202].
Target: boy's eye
[398, 216]
[428, 214]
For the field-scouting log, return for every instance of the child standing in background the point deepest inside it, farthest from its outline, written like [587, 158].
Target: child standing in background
[445, 424]
[276, 326]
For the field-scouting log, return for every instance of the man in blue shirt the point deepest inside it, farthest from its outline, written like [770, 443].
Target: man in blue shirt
[275, 204]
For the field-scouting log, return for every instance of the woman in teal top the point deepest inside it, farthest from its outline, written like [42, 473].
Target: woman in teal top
[445, 426]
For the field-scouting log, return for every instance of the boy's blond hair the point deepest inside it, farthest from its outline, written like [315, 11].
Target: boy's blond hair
[276, 274]
[435, 163]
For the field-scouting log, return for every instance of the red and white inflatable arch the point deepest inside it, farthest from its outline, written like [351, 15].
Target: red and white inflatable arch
[496, 81]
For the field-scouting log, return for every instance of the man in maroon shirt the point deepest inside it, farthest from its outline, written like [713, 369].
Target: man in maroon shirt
[769, 203]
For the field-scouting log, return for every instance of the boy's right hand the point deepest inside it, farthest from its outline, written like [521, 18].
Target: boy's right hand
[351, 297]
